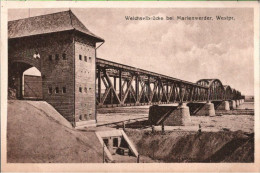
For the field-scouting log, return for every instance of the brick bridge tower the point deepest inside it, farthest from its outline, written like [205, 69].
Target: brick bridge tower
[64, 51]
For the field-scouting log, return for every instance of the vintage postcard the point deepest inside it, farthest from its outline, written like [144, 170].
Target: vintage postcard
[137, 86]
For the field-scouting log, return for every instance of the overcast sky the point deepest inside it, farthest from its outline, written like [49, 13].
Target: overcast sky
[188, 50]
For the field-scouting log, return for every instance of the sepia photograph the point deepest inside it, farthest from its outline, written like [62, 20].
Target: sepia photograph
[130, 85]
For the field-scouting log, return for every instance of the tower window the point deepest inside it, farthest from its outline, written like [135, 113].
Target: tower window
[86, 116]
[50, 90]
[85, 89]
[64, 90]
[85, 58]
[80, 57]
[57, 57]
[90, 59]
[64, 56]
[50, 57]
[80, 89]
[57, 90]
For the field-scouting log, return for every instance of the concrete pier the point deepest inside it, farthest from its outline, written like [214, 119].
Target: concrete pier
[233, 104]
[170, 115]
[208, 110]
[224, 105]
[179, 117]
[237, 103]
[202, 109]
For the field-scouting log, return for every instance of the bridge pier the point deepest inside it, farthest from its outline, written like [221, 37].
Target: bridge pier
[221, 105]
[202, 109]
[233, 104]
[180, 117]
[237, 103]
[170, 115]
[207, 110]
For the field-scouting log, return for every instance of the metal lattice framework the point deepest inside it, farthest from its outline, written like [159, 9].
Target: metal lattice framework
[216, 90]
[228, 92]
[121, 85]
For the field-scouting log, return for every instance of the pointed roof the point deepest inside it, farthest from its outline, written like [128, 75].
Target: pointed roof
[50, 23]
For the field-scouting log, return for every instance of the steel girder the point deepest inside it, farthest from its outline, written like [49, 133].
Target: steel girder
[122, 85]
[217, 91]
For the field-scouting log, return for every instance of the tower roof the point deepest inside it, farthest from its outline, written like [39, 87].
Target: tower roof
[45, 24]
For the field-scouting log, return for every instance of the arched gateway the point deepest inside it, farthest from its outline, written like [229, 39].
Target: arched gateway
[64, 51]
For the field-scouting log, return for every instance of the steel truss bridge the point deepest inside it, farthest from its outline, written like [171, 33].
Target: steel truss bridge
[123, 85]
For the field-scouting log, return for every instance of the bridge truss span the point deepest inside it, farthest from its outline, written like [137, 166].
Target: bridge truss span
[217, 91]
[122, 85]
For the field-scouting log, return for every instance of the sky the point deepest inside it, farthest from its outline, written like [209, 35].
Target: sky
[188, 50]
